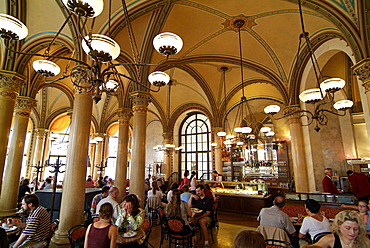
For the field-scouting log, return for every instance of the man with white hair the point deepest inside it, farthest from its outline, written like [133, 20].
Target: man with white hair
[111, 198]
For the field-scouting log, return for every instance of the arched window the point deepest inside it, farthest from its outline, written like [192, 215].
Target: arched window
[195, 138]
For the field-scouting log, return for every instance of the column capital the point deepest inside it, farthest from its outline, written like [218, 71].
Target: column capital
[140, 98]
[100, 135]
[24, 105]
[293, 118]
[10, 80]
[362, 70]
[41, 132]
[124, 113]
[215, 130]
[167, 135]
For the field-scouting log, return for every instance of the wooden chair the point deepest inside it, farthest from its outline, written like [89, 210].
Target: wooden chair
[76, 235]
[273, 243]
[177, 233]
[162, 221]
[147, 228]
[54, 227]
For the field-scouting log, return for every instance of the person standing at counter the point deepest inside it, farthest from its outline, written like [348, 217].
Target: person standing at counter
[328, 184]
[360, 185]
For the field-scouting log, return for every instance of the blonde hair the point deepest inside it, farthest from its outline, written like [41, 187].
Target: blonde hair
[341, 217]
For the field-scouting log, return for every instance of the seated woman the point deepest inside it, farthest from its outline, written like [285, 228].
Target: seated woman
[315, 223]
[361, 209]
[170, 191]
[131, 216]
[178, 208]
[348, 231]
[102, 233]
[155, 192]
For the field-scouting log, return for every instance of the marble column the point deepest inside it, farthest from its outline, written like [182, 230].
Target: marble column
[98, 155]
[362, 70]
[73, 200]
[92, 147]
[166, 167]
[10, 84]
[124, 116]
[39, 149]
[140, 101]
[217, 150]
[9, 191]
[298, 150]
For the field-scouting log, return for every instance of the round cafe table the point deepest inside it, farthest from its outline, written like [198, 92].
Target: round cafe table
[123, 240]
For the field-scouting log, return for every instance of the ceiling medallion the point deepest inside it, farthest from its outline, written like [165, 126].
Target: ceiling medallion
[230, 24]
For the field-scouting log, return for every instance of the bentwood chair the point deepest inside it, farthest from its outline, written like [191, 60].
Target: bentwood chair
[147, 228]
[76, 235]
[177, 234]
[272, 243]
[162, 221]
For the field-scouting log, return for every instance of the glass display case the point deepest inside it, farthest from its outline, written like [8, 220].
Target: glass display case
[321, 197]
[254, 187]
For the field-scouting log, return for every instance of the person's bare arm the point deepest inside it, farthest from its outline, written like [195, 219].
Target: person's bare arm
[87, 235]
[12, 222]
[325, 242]
[301, 236]
[349, 206]
[20, 240]
[113, 232]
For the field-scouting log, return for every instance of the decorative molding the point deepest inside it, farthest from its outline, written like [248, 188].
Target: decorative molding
[140, 99]
[362, 70]
[140, 109]
[24, 104]
[11, 81]
[124, 114]
[41, 132]
[22, 114]
[293, 118]
[8, 94]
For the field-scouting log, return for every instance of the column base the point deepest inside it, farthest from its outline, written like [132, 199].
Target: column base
[7, 212]
[60, 240]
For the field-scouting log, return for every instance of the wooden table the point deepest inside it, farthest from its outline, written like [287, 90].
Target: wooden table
[123, 240]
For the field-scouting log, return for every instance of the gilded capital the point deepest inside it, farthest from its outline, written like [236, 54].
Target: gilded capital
[362, 70]
[11, 81]
[140, 99]
[293, 113]
[124, 114]
[24, 105]
[41, 132]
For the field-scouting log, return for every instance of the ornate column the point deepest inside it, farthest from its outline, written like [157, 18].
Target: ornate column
[9, 191]
[10, 84]
[98, 154]
[73, 200]
[217, 150]
[124, 116]
[41, 134]
[362, 70]
[298, 151]
[166, 167]
[92, 147]
[140, 101]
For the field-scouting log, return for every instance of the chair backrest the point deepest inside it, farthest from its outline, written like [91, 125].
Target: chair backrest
[273, 233]
[175, 224]
[76, 235]
[54, 226]
[319, 236]
[146, 226]
[272, 243]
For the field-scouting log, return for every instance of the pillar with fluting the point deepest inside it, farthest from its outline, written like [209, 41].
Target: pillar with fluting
[217, 150]
[41, 134]
[166, 167]
[140, 101]
[10, 84]
[362, 70]
[9, 191]
[98, 154]
[124, 116]
[298, 151]
[73, 200]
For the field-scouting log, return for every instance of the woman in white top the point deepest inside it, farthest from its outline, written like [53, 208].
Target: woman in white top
[155, 192]
[315, 223]
[193, 182]
[170, 192]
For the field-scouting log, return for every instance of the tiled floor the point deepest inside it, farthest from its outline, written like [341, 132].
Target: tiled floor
[230, 225]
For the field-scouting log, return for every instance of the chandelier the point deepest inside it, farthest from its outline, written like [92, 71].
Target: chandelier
[101, 74]
[318, 97]
[246, 129]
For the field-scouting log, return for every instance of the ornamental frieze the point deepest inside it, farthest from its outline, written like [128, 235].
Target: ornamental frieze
[140, 109]
[22, 114]
[362, 70]
[140, 99]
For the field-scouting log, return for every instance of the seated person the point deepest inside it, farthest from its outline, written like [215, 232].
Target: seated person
[275, 217]
[37, 227]
[162, 187]
[102, 233]
[170, 191]
[186, 195]
[180, 209]
[361, 209]
[315, 223]
[202, 202]
[249, 239]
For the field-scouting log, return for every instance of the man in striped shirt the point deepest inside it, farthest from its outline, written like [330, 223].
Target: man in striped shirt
[37, 227]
